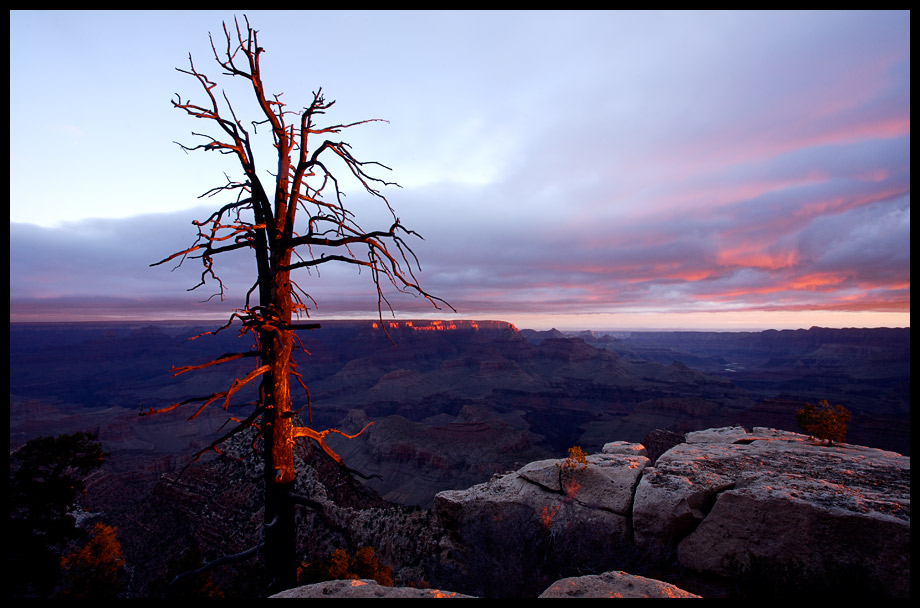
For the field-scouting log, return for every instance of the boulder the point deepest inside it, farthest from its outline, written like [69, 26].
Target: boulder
[361, 588]
[777, 509]
[613, 584]
[513, 534]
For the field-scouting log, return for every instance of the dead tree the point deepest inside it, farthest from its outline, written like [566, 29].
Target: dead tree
[298, 222]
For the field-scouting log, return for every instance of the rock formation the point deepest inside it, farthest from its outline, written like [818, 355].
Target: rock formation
[613, 584]
[750, 510]
[518, 532]
[608, 584]
[772, 504]
[362, 588]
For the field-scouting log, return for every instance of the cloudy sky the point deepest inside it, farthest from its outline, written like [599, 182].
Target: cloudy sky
[578, 170]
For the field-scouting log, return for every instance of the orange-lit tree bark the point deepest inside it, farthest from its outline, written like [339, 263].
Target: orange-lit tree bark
[297, 222]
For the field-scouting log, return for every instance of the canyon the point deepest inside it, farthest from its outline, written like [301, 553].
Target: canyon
[454, 404]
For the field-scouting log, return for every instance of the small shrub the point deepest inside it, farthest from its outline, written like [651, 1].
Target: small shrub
[93, 570]
[339, 565]
[824, 421]
[46, 478]
[577, 459]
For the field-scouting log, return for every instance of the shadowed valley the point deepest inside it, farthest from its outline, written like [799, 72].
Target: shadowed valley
[454, 402]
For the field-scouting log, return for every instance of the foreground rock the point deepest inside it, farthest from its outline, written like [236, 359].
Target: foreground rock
[608, 584]
[515, 534]
[777, 506]
[760, 513]
[613, 584]
[362, 588]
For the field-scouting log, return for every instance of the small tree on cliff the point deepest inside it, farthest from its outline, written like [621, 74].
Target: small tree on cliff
[824, 421]
[94, 570]
[46, 478]
[296, 223]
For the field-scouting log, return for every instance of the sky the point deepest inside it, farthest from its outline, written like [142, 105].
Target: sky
[577, 170]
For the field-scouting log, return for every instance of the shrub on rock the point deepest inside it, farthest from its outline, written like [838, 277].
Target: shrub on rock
[824, 421]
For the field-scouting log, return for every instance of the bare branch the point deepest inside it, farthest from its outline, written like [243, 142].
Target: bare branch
[221, 359]
[320, 438]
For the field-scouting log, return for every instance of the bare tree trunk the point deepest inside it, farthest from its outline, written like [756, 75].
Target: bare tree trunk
[280, 531]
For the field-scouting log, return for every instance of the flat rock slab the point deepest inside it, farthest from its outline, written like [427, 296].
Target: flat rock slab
[362, 588]
[613, 584]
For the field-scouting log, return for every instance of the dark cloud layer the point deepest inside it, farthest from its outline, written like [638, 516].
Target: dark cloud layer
[851, 255]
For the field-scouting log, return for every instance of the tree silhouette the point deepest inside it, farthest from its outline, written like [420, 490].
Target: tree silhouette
[298, 222]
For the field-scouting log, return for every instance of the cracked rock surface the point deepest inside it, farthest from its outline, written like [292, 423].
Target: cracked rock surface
[762, 505]
[731, 502]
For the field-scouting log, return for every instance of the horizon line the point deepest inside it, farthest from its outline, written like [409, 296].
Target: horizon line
[670, 329]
